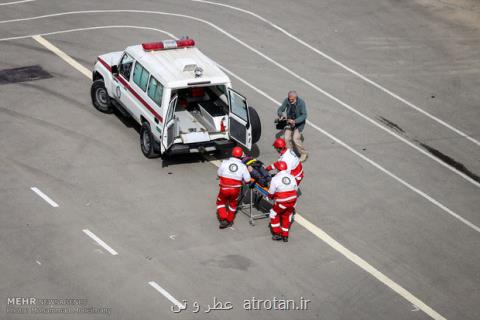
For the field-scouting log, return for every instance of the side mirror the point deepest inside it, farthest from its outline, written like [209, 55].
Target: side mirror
[115, 70]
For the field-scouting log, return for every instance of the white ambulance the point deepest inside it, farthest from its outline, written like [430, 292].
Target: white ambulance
[182, 100]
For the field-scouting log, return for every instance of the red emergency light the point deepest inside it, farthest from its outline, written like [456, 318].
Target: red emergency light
[168, 44]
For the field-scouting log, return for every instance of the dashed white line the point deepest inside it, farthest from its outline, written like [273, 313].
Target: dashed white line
[15, 2]
[282, 67]
[345, 67]
[44, 197]
[167, 295]
[100, 242]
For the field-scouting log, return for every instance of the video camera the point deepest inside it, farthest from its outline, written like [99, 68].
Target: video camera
[281, 124]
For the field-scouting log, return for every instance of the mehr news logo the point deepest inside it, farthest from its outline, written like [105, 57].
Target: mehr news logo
[32, 305]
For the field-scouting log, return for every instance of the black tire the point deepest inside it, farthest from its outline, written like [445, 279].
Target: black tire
[256, 125]
[100, 98]
[147, 142]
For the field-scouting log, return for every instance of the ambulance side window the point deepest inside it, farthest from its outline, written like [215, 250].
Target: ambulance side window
[125, 66]
[155, 91]
[239, 106]
[140, 76]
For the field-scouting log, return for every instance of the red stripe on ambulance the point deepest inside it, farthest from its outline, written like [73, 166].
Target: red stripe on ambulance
[129, 88]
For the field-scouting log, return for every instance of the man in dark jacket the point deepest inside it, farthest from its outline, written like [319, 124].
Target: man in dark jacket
[294, 110]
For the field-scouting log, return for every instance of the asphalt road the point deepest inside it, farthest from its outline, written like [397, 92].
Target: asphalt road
[393, 172]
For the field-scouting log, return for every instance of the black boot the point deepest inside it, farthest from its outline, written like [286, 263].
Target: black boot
[271, 229]
[285, 239]
[276, 237]
[224, 224]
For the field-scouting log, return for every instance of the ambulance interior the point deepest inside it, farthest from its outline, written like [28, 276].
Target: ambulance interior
[201, 113]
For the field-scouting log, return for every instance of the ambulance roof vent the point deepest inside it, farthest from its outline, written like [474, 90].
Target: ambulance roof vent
[186, 65]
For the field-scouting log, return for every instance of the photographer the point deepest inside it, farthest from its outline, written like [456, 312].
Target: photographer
[294, 111]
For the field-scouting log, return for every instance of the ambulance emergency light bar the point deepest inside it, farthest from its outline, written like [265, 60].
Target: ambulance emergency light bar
[168, 44]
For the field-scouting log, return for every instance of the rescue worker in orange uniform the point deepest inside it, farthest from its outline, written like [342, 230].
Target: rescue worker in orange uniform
[232, 173]
[294, 166]
[283, 190]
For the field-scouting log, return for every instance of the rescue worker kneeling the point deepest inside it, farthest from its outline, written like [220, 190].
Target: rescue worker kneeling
[232, 173]
[283, 189]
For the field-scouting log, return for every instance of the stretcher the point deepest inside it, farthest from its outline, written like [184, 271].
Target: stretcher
[251, 197]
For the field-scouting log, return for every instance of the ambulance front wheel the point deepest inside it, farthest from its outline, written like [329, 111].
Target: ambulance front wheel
[100, 98]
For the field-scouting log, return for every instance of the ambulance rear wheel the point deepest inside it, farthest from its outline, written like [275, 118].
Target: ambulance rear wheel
[256, 125]
[147, 142]
[100, 98]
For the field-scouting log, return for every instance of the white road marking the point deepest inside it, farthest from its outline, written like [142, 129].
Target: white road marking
[83, 29]
[331, 242]
[345, 67]
[64, 56]
[373, 163]
[367, 267]
[211, 158]
[44, 197]
[15, 2]
[167, 295]
[100, 242]
[322, 235]
[38, 262]
[295, 75]
[340, 142]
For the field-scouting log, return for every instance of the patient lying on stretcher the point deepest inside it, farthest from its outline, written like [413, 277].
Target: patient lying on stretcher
[257, 171]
